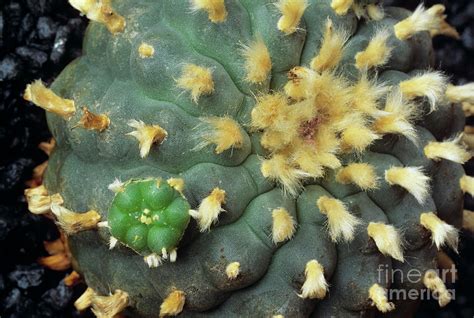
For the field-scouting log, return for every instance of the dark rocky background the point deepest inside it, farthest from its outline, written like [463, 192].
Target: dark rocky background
[37, 39]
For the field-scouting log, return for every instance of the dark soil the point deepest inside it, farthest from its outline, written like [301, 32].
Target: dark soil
[38, 38]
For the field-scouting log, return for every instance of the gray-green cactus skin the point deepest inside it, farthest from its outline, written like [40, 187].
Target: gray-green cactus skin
[112, 78]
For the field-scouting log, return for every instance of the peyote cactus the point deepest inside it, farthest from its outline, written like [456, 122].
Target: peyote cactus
[255, 158]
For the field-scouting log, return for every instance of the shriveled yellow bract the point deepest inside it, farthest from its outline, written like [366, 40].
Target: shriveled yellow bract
[173, 304]
[101, 11]
[39, 200]
[379, 298]
[73, 222]
[45, 98]
[292, 11]
[431, 20]
[103, 306]
[215, 9]
[197, 80]
[434, 283]
[147, 135]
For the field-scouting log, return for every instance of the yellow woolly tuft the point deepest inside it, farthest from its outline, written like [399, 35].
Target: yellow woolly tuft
[341, 7]
[450, 150]
[315, 285]
[197, 80]
[331, 50]
[341, 223]
[431, 20]
[431, 85]
[411, 179]
[39, 201]
[467, 184]
[442, 233]
[283, 227]
[378, 295]
[377, 52]
[232, 270]
[224, 132]
[461, 94]
[388, 240]
[145, 50]
[173, 304]
[209, 209]
[292, 11]
[215, 9]
[71, 222]
[258, 63]
[361, 174]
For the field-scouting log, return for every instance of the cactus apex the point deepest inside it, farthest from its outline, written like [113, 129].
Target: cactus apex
[43, 97]
[258, 63]
[434, 283]
[232, 270]
[412, 179]
[377, 52]
[422, 19]
[442, 233]
[209, 209]
[146, 135]
[378, 295]
[173, 304]
[332, 48]
[388, 239]
[340, 221]
[283, 227]
[315, 285]
[450, 149]
[291, 11]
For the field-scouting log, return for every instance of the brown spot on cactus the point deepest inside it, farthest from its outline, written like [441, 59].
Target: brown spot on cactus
[92, 121]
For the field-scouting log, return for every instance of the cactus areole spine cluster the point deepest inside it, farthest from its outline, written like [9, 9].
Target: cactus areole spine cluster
[256, 158]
